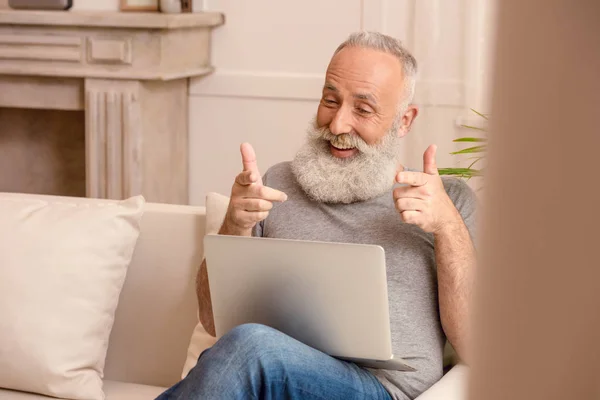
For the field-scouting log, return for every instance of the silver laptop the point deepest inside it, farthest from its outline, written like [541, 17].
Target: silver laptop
[330, 296]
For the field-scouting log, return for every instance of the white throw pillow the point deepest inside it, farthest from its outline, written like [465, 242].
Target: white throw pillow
[63, 262]
[216, 208]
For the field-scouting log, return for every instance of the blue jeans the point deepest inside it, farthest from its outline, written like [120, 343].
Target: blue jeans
[257, 362]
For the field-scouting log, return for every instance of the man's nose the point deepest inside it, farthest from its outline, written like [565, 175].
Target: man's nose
[341, 122]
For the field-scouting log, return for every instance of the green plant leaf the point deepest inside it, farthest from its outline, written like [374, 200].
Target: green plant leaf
[463, 172]
[469, 172]
[470, 139]
[475, 162]
[480, 114]
[474, 127]
[475, 149]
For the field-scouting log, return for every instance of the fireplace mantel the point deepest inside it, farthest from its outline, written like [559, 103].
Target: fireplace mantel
[128, 72]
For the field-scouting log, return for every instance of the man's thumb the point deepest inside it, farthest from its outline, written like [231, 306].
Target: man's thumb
[248, 158]
[429, 166]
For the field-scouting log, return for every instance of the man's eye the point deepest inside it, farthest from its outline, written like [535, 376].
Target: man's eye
[329, 101]
[363, 111]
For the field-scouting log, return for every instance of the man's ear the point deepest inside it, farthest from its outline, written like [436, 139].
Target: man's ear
[408, 118]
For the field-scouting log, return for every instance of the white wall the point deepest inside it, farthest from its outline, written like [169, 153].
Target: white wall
[270, 59]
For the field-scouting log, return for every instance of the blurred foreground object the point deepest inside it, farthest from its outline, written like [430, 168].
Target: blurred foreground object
[536, 324]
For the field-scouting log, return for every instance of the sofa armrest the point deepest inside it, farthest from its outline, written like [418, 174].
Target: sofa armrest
[452, 386]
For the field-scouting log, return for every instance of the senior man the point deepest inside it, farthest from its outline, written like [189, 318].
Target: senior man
[347, 184]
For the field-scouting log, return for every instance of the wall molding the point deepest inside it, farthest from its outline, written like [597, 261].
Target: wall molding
[396, 18]
[113, 138]
[40, 47]
[306, 87]
[274, 85]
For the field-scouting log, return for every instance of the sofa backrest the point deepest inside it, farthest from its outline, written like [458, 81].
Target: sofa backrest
[157, 309]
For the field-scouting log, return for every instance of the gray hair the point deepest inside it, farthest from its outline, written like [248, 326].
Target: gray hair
[393, 46]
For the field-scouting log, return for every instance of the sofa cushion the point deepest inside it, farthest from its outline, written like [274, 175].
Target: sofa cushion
[452, 386]
[114, 391]
[158, 305]
[64, 261]
[130, 391]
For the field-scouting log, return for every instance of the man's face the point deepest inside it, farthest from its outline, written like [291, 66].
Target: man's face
[352, 152]
[361, 96]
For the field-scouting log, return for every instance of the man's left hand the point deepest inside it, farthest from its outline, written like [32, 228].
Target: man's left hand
[424, 202]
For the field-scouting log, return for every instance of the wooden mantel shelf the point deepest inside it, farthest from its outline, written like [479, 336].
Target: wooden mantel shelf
[112, 45]
[128, 72]
[134, 20]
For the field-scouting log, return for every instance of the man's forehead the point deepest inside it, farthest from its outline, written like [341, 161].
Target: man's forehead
[364, 92]
[364, 66]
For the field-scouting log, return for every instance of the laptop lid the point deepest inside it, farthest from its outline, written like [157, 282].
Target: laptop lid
[330, 296]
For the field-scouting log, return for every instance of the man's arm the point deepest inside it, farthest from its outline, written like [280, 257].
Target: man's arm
[455, 259]
[202, 284]
[425, 203]
[249, 203]
[204, 302]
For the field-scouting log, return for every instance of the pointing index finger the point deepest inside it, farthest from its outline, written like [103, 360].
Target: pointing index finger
[270, 194]
[412, 178]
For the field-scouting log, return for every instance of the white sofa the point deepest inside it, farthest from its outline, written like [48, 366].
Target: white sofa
[157, 311]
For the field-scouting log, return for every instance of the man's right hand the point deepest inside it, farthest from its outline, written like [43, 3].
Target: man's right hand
[250, 201]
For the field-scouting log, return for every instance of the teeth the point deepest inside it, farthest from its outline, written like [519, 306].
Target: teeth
[341, 144]
[343, 147]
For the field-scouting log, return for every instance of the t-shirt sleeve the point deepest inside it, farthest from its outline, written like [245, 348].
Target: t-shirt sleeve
[465, 200]
[257, 231]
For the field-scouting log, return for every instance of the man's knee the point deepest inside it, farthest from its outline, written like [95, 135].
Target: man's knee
[253, 336]
[257, 351]
[242, 360]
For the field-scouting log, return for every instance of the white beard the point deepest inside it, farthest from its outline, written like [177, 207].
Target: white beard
[366, 175]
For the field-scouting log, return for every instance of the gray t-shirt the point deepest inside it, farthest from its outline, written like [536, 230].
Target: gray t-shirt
[416, 330]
